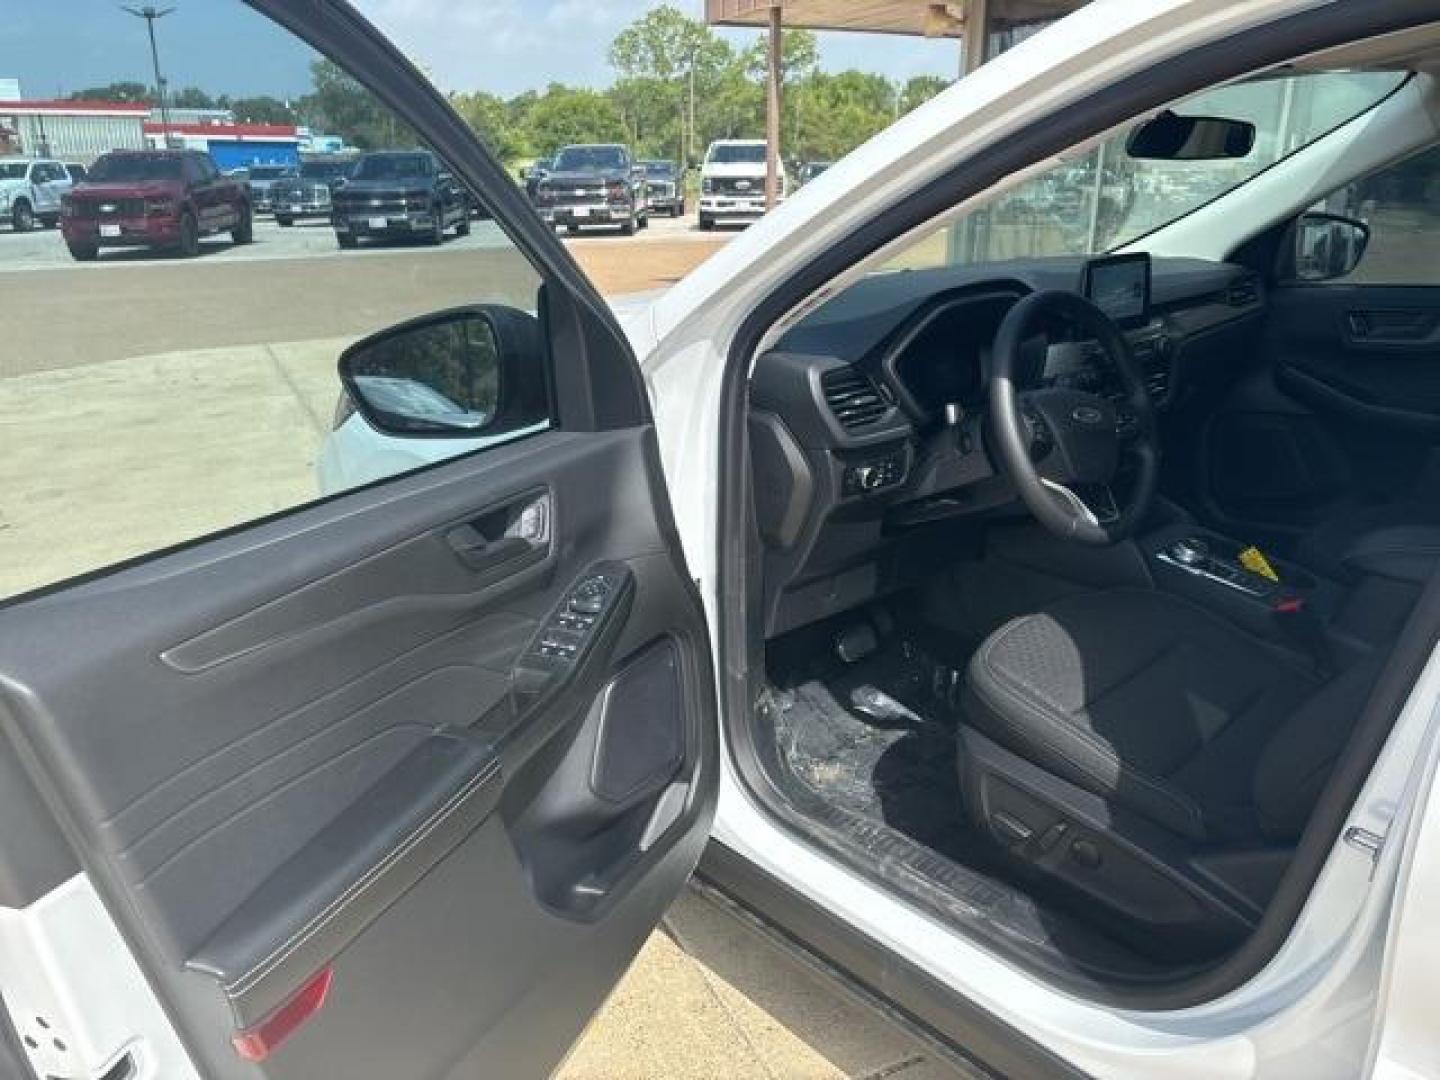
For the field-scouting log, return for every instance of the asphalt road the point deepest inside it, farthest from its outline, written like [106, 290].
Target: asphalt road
[291, 284]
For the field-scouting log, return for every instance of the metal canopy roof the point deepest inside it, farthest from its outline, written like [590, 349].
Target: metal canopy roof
[921, 18]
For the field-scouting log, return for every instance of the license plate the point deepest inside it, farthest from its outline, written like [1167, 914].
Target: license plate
[109, 230]
[378, 222]
[580, 211]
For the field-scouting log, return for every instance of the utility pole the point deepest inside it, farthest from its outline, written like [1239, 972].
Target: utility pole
[150, 14]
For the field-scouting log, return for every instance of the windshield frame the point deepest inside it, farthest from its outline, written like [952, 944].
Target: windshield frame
[1130, 242]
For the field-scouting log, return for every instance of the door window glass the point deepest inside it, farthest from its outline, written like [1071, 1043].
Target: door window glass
[1400, 206]
[171, 365]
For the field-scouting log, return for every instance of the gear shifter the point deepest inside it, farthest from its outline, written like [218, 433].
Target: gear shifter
[1190, 551]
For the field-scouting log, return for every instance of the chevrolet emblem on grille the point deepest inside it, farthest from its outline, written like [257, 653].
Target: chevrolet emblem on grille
[107, 208]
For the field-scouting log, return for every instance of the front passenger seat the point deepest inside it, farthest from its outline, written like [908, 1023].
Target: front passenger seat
[1136, 749]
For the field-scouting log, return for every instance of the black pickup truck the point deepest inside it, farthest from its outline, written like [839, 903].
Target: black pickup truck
[594, 184]
[398, 193]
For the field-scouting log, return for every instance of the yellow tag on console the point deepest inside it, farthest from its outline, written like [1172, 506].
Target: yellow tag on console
[1254, 560]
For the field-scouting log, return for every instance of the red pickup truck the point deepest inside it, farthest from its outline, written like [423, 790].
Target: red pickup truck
[153, 198]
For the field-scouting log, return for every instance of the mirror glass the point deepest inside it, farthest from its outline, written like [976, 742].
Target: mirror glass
[438, 376]
[1328, 246]
[1172, 137]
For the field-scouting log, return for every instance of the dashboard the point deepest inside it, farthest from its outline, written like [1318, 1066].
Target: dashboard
[868, 416]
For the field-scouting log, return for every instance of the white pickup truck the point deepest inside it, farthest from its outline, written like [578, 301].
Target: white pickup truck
[30, 191]
[732, 181]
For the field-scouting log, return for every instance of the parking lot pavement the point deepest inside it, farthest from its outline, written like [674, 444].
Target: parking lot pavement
[45, 249]
[712, 997]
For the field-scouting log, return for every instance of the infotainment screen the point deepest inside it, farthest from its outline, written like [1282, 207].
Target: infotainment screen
[1120, 286]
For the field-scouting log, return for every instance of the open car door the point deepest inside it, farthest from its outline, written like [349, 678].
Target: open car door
[394, 783]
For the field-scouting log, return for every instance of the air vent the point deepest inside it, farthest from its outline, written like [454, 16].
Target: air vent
[854, 399]
[1244, 292]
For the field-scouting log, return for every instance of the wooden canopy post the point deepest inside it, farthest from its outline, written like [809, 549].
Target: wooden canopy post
[773, 82]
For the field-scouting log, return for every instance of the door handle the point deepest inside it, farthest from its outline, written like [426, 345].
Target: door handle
[477, 552]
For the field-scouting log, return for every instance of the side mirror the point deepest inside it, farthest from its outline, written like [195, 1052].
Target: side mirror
[1172, 137]
[471, 371]
[1328, 246]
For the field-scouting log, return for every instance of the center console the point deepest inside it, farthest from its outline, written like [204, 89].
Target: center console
[1293, 606]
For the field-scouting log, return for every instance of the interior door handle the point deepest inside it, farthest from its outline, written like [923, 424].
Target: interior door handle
[478, 553]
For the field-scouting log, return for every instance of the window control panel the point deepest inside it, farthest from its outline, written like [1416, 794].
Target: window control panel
[572, 624]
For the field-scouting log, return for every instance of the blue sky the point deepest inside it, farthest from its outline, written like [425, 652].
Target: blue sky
[504, 46]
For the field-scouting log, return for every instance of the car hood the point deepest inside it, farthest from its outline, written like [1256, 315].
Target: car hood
[586, 177]
[362, 188]
[18, 184]
[128, 189]
[744, 169]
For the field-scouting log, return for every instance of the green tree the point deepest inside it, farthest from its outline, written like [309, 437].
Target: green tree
[341, 105]
[920, 89]
[490, 118]
[122, 92]
[669, 66]
[192, 97]
[565, 115]
[263, 110]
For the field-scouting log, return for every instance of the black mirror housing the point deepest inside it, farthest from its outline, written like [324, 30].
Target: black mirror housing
[1172, 137]
[1327, 246]
[465, 372]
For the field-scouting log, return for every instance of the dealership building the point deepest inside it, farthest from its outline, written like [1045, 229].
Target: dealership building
[71, 130]
[232, 145]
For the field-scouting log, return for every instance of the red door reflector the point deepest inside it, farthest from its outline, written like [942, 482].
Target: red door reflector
[259, 1042]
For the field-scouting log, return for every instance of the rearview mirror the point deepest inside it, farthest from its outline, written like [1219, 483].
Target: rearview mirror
[1172, 137]
[1328, 246]
[434, 376]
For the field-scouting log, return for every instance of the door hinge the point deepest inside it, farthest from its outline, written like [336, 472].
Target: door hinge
[1370, 842]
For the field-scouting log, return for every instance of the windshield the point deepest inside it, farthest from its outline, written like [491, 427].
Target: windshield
[392, 166]
[316, 170]
[13, 170]
[122, 167]
[270, 172]
[1104, 199]
[737, 154]
[659, 168]
[581, 158]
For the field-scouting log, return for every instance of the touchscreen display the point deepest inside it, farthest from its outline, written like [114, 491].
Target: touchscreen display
[1119, 287]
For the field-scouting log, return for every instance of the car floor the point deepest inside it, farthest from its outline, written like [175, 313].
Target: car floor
[868, 750]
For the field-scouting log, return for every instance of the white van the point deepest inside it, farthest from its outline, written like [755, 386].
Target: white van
[732, 181]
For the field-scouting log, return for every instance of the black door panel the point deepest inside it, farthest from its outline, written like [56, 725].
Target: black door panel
[1340, 409]
[339, 739]
[1363, 353]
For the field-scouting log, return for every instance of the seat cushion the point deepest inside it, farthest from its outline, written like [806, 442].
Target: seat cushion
[1143, 698]
[1399, 541]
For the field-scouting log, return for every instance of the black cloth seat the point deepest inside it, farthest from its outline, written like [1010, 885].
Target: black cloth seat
[1399, 541]
[1163, 708]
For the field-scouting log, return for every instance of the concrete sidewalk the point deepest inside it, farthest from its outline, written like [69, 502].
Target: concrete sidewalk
[711, 997]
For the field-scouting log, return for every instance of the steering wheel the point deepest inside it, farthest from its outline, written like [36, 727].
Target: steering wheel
[1061, 448]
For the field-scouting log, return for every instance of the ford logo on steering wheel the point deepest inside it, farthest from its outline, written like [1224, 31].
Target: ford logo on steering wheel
[1087, 414]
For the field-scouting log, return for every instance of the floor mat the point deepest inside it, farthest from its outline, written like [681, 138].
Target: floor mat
[878, 739]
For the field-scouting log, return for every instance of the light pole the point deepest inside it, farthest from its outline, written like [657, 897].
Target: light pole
[150, 14]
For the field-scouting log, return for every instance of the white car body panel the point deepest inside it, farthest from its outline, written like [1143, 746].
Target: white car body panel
[1310, 1012]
